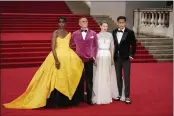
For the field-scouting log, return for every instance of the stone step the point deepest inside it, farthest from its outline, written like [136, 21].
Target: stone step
[78, 7]
[163, 56]
[106, 19]
[110, 23]
[155, 40]
[101, 16]
[148, 36]
[167, 51]
[159, 47]
[165, 60]
[159, 43]
[153, 37]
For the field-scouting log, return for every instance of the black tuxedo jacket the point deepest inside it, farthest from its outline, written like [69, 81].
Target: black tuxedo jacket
[123, 50]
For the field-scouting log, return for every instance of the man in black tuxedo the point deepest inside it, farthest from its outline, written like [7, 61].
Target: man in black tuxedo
[123, 39]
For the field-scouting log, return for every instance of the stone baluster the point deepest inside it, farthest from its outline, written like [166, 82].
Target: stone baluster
[152, 19]
[166, 21]
[142, 18]
[163, 19]
[159, 19]
[145, 19]
[156, 19]
[149, 18]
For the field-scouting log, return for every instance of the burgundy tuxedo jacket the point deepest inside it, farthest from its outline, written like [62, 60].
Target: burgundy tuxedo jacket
[85, 49]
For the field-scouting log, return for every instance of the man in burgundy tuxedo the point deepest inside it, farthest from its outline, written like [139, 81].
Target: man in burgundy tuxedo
[86, 44]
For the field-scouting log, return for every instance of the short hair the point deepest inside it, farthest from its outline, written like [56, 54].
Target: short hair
[121, 17]
[102, 22]
[82, 17]
[63, 18]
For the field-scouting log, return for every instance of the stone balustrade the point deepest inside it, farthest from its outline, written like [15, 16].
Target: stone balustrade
[156, 22]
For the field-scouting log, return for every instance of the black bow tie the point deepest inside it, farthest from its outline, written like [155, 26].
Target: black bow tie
[120, 31]
[83, 30]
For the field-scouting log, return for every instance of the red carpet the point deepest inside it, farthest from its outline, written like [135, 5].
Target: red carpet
[27, 30]
[151, 94]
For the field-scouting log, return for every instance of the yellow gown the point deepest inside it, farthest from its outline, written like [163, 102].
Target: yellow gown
[48, 77]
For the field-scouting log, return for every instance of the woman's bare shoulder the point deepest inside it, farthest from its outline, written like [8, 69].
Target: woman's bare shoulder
[55, 33]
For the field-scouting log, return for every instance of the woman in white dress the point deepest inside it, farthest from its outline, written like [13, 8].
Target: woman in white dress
[104, 82]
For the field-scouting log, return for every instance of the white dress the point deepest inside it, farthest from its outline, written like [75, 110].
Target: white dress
[104, 80]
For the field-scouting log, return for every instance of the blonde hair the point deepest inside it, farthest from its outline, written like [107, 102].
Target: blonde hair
[102, 22]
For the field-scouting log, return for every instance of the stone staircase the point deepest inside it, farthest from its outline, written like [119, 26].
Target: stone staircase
[160, 48]
[78, 7]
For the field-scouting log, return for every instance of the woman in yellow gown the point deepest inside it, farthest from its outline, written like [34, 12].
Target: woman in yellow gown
[56, 81]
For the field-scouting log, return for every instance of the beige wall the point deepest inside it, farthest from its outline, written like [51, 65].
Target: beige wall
[125, 8]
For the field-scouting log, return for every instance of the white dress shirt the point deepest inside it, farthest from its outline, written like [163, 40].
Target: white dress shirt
[119, 35]
[84, 35]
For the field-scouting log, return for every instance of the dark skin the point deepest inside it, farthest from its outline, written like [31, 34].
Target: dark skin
[61, 33]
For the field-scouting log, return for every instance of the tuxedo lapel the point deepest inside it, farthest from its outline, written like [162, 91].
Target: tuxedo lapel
[87, 34]
[124, 35]
[80, 35]
[115, 36]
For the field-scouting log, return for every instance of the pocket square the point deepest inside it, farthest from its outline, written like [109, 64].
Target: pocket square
[131, 57]
[92, 37]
